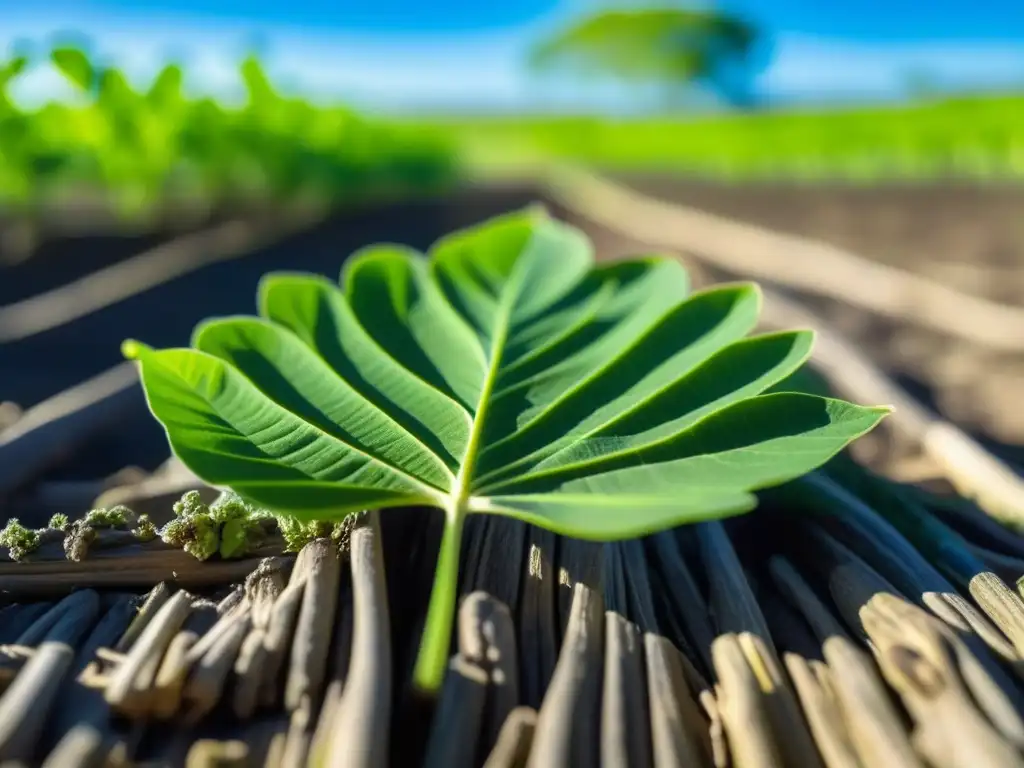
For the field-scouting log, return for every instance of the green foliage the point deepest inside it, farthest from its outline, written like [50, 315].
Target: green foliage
[19, 540]
[144, 529]
[140, 149]
[506, 374]
[114, 517]
[672, 47]
[58, 522]
[965, 138]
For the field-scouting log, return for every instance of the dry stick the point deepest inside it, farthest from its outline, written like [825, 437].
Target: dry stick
[687, 602]
[873, 723]
[625, 733]
[812, 682]
[512, 749]
[916, 661]
[149, 269]
[208, 677]
[75, 613]
[578, 561]
[360, 732]
[745, 716]
[155, 599]
[976, 473]
[568, 722]
[736, 610]
[341, 652]
[129, 688]
[26, 703]
[537, 640]
[799, 263]
[678, 732]
[487, 638]
[81, 746]
[316, 621]
[455, 729]
[130, 566]
[886, 551]
[278, 638]
[853, 584]
[170, 678]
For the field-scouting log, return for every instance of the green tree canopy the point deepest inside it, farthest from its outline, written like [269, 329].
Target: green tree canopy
[671, 47]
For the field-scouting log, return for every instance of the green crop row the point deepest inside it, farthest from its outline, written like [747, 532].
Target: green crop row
[140, 148]
[965, 138]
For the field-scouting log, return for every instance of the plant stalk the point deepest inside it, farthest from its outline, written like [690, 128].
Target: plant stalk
[432, 660]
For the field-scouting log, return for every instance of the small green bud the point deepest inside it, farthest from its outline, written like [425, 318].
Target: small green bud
[59, 522]
[144, 529]
[19, 540]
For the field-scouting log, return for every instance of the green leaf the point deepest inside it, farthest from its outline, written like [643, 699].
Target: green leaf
[74, 64]
[503, 374]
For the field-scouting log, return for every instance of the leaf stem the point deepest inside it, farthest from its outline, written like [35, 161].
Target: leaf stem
[433, 655]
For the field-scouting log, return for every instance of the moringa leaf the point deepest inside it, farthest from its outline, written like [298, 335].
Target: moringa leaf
[505, 374]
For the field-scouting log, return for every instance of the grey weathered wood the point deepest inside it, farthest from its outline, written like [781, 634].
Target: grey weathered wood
[26, 703]
[678, 732]
[129, 688]
[314, 626]
[81, 747]
[512, 749]
[487, 638]
[456, 725]
[875, 726]
[811, 680]
[752, 741]
[568, 723]
[66, 621]
[155, 599]
[361, 724]
[625, 733]
[537, 639]
[209, 676]
[172, 674]
[915, 659]
[278, 637]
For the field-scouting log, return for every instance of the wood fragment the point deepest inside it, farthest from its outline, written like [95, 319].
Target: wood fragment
[679, 734]
[170, 677]
[81, 747]
[747, 725]
[487, 638]
[824, 718]
[66, 621]
[512, 749]
[208, 677]
[249, 673]
[25, 705]
[455, 729]
[129, 689]
[155, 599]
[312, 638]
[537, 636]
[875, 727]
[361, 725]
[915, 660]
[625, 734]
[212, 753]
[568, 722]
[278, 639]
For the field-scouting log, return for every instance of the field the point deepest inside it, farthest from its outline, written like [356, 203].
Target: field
[969, 138]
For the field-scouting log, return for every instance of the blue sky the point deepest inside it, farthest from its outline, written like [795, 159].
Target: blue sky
[414, 54]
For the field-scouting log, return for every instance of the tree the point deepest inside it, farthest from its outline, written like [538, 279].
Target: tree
[676, 48]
